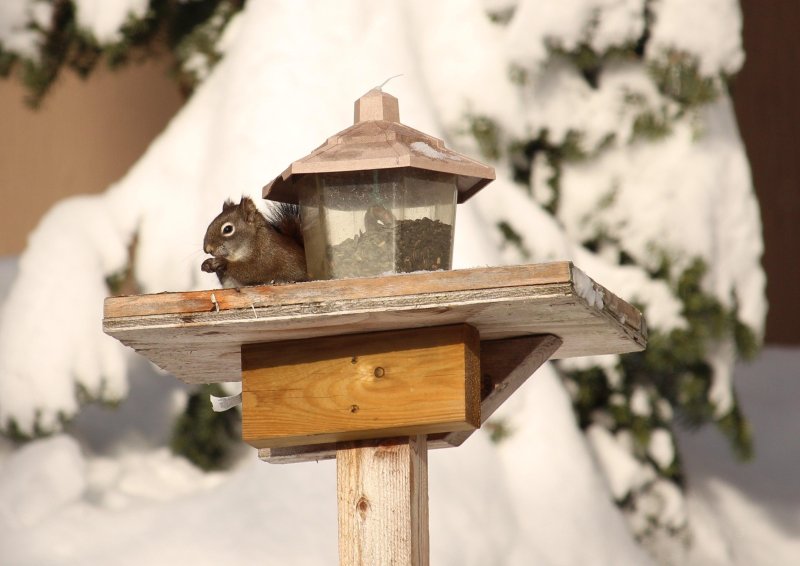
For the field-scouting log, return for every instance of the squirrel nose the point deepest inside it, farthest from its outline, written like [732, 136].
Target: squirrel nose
[207, 248]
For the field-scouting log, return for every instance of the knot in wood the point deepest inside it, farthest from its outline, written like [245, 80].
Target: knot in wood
[379, 372]
[362, 506]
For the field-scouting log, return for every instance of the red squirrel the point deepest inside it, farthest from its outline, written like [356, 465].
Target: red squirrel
[252, 249]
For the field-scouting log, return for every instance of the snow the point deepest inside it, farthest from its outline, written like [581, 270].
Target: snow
[586, 289]
[739, 513]
[40, 479]
[132, 491]
[15, 19]
[666, 502]
[79, 245]
[705, 182]
[100, 18]
[92, 495]
[103, 19]
[562, 101]
[719, 357]
[622, 471]
[537, 472]
[63, 502]
[661, 449]
[427, 151]
[616, 22]
[569, 23]
[711, 28]
[683, 25]
[758, 540]
[750, 510]
[640, 402]
[702, 178]
[698, 173]
[661, 308]
[458, 88]
[475, 245]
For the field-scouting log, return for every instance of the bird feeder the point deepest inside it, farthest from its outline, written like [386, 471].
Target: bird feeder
[379, 197]
[374, 371]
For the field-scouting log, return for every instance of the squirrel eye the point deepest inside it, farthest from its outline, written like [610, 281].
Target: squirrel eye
[228, 229]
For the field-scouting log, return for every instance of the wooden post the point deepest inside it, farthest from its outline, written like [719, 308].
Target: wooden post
[382, 488]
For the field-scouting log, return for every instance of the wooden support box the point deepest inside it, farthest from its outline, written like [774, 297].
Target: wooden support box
[394, 383]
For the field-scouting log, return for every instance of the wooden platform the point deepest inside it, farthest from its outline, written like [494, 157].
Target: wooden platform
[197, 336]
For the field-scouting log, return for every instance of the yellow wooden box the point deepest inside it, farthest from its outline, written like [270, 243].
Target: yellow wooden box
[382, 384]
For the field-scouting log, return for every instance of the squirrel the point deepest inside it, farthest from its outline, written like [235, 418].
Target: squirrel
[252, 249]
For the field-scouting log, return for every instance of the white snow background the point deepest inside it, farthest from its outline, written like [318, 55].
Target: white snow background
[106, 491]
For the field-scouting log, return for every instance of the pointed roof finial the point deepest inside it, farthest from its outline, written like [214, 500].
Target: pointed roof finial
[377, 105]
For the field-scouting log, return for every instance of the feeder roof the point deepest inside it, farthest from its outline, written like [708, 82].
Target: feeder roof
[378, 140]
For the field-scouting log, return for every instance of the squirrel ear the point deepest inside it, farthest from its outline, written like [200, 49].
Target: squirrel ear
[227, 204]
[248, 209]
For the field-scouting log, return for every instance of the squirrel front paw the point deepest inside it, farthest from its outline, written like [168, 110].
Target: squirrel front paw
[213, 265]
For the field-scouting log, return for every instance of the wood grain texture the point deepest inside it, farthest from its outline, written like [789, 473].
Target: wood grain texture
[382, 489]
[504, 366]
[322, 292]
[186, 335]
[396, 383]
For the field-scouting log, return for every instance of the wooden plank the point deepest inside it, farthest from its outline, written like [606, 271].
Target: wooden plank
[297, 454]
[327, 451]
[505, 365]
[385, 384]
[317, 292]
[382, 495]
[203, 346]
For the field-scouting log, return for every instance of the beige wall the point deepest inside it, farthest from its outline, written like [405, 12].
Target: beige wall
[83, 137]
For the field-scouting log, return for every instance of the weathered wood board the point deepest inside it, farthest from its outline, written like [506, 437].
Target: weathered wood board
[198, 335]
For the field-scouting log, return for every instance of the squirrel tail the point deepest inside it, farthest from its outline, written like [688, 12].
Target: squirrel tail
[285, 218]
